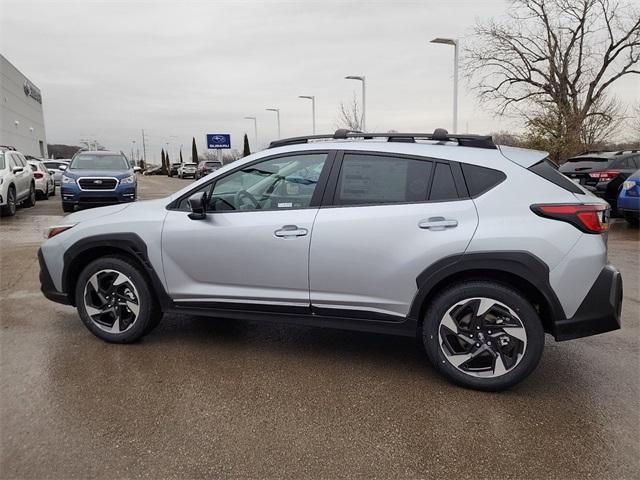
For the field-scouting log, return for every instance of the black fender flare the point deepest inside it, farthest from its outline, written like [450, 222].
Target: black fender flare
[524, 265]
[128, 243]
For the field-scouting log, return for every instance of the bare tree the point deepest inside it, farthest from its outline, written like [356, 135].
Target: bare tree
[350, 115]
[553, 62]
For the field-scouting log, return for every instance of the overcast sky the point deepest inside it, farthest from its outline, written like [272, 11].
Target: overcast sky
[107, 69]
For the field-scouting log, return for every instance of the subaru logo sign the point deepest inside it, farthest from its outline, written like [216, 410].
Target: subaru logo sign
[218, 140]
[98, 182]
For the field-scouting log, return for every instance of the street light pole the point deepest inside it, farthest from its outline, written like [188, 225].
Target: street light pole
[362, 78]
[313, 109]
[277, 110]
[255, 129]
[454, 42]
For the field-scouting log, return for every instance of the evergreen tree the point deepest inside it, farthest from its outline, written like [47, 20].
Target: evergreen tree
[194, 151]
[246, 150]
[162, 166]
[181, 160]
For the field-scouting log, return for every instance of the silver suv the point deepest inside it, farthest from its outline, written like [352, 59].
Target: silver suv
[477, 250]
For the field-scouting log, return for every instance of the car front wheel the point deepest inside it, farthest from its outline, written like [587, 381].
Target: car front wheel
[115, 301]
[483, 335]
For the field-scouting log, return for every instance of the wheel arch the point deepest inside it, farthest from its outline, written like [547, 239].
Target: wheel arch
[516, 269]
[128, 245]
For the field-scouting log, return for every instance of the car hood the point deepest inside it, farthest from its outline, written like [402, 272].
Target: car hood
[93, 213]
[98, 173]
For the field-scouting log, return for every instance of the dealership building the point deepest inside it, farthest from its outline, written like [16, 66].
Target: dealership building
[21, 112]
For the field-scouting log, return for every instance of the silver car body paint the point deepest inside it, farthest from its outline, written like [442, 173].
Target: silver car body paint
[364, 258]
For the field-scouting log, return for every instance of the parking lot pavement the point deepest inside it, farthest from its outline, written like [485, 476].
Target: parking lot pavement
[205, 397]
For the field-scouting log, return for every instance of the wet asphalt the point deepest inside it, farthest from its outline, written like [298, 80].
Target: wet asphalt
[203, 397]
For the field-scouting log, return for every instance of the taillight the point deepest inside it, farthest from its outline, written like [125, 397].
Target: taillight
[589, 218]
[605, 175]
[38, 175]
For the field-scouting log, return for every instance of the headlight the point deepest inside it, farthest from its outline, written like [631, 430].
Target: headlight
[66, 179]
[628, 184]
[57, 229]
[128, 180]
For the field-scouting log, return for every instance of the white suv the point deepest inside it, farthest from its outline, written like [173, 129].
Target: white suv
[17, 184]
[478, 250]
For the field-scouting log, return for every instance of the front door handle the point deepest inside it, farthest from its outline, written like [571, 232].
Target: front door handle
[291, 231]
[438, 223]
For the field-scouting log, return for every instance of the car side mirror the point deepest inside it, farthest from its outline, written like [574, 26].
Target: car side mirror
[17, 169]
[137, 169]
[198, 204]
[52, 172]
[62, 167]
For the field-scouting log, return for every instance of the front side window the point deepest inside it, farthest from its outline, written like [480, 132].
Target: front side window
[2, 161]
[367, 179]
[87, 161]
[275, 184]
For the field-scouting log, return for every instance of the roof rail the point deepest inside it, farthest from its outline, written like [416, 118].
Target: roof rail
[439, 134]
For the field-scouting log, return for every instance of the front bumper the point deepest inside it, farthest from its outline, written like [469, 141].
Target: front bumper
[46, 283]
[599, 312]
[72, 195]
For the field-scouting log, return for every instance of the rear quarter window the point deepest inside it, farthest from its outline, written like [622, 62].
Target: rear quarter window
[481, 179]
[549, 171]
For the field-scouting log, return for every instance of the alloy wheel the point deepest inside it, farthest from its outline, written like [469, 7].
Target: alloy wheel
[111, 301]
[482, 337]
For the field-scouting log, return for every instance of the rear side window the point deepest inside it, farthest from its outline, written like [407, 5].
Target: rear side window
[377, 179]
[443, 186]
[549, 171]
[481, 179]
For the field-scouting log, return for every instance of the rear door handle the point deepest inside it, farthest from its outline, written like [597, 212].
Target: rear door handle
[291, 231]
[438, 223]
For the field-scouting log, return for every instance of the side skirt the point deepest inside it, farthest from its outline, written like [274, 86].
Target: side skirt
[300, 316]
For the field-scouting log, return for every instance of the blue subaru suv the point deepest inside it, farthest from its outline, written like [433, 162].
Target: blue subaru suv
[98, 178]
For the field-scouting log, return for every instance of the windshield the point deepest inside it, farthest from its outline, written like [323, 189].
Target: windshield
[2, 164]
[88, 161]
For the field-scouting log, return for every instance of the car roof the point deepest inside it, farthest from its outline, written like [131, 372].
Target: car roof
[438, 150]
[99, 152]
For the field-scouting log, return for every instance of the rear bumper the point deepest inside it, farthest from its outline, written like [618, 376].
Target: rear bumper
[46, 283]
[599, 311]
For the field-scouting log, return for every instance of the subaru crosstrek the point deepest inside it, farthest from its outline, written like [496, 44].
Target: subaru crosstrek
[475, 249]
[97, 178]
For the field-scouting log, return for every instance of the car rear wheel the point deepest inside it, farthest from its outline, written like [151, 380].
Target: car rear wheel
[31, 199]
[9, 210]
[53, 190]
[115, 301]
[483, 335]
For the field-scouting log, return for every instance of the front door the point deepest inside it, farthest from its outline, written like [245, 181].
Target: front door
[391, 218]
[253, 246]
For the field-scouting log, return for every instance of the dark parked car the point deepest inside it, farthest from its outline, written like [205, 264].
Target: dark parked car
[603, 172]
[206, 167]
[173, 169]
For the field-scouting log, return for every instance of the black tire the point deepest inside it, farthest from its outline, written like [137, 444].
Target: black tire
[148, 313]
[67, 207]
[31, 199]
[9, 210]
[53, 191]
[632, 219]
[45, 195]
[460, 293]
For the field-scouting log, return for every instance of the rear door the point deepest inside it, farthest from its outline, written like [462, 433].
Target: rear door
[389, 218]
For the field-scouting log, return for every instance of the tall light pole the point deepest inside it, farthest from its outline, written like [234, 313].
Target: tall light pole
[313, 109]
[277, 110]
[454, 42]
[364, 98]
[255, 129]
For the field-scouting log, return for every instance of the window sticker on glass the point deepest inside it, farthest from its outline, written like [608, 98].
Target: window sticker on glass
[285, 205]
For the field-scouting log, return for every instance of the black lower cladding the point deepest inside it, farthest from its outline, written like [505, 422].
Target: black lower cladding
[599, 311]
[46, 283]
